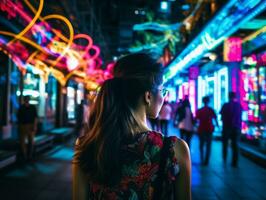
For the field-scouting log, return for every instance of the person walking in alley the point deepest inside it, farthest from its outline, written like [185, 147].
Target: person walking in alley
[120, 157]
[165, 116]
[82, 115]
[232, 118]
[205, 116]
[186, 121]
[27, 125]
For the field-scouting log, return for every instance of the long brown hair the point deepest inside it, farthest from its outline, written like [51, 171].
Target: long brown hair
[111, 120]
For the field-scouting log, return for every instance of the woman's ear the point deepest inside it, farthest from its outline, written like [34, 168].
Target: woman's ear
[147, 97]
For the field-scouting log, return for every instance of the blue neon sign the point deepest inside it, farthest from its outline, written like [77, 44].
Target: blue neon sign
[233, 15]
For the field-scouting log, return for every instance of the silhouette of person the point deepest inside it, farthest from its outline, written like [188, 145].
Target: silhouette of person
[27, 125]
[205, 116]
[232, 118]
[186, 121]
[165, 116]
[82, 114]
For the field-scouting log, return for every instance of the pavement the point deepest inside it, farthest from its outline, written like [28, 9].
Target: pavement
[49, 176]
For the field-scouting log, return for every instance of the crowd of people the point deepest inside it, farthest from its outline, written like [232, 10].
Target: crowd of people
[202, 124]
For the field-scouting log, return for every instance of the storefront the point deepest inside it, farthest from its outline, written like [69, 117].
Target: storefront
[50, 103]
[253, 101]
[14, 85]
[213, 81]
[75, 93]
[4, 85]
[188, 90]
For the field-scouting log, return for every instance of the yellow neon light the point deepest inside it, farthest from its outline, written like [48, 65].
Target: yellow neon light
[18, 36]
[253, 35]
[57, 33]
[59, 76]
[71, 35]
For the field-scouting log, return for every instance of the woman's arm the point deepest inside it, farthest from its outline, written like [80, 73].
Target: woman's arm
[183, 180]
[79, 183]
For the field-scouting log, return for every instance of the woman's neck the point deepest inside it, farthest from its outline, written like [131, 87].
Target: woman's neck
[141, 118]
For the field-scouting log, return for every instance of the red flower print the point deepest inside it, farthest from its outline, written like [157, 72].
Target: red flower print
[156, 139]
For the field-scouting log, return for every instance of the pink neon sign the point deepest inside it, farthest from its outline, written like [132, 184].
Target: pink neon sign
[233, 49]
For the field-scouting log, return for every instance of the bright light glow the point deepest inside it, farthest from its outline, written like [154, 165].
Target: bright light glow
[217, 91]
[185, 7]
[156, 26]
[164, 6]
[200, 92]
[28, 92]
[215, 86]
[192, 95]
[250, 60]
[72, 63]
[210, 90]
[212, 56]
[254, 24]
[180, 92]
[33, 102]
[172, 94]
[222, 84]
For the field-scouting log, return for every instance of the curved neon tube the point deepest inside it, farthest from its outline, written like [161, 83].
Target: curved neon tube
[18, 36]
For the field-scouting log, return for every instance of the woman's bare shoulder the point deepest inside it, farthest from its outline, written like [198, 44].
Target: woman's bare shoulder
[181, 149]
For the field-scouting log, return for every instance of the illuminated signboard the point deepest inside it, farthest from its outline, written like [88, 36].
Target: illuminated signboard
[233, 49]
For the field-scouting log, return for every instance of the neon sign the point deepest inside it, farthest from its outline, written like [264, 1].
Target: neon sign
[54, 53]
[227, 21]
[233, 49]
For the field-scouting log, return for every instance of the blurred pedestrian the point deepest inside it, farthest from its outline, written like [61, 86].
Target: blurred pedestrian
[205, 116]
[82, 115]
[178, 113]
[120, 157]
[186, 121]
[232, 119]
[165, 117]
[27, 125]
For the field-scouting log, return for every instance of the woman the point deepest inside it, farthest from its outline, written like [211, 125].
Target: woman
[119, 157]
[186, 122]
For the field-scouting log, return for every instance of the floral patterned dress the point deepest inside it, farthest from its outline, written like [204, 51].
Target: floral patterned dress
[141, 161]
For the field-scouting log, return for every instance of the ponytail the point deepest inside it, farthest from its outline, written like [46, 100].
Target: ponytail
[111, 122]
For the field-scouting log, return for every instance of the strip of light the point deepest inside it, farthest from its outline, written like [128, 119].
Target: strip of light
[254, 35]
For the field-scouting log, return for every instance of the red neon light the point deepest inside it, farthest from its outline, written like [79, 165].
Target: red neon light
[10, 7]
